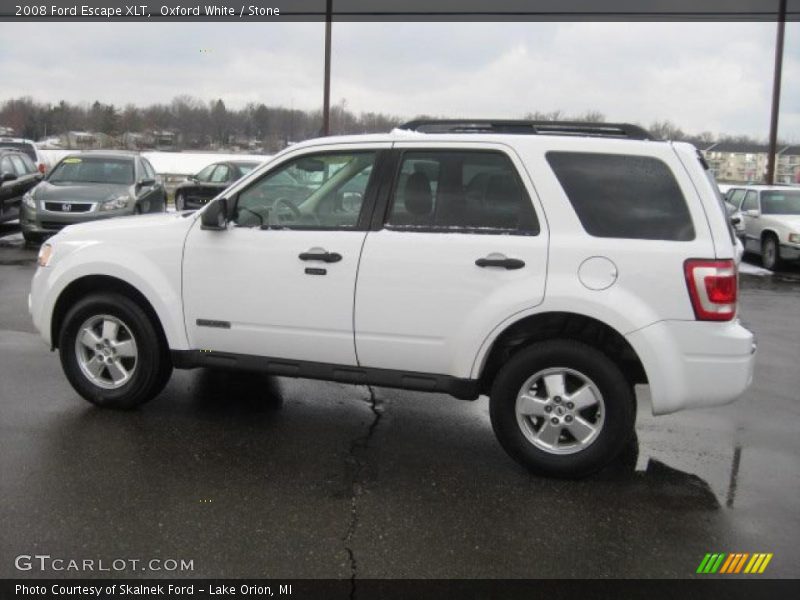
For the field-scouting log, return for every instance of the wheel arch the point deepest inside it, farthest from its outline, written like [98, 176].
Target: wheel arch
[88, 284]
[768, 231]
[561, 325]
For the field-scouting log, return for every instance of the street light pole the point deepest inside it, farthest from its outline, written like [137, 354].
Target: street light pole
[326, 99]
[776, 95]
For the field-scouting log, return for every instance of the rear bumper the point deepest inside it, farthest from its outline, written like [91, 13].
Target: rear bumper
[694, 364]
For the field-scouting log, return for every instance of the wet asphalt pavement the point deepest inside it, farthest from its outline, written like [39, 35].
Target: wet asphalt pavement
[250, 476]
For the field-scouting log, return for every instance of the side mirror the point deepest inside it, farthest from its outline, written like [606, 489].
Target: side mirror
[753, 212]
[8, 177]
[215, 216]
[192, 178]
[147, 182]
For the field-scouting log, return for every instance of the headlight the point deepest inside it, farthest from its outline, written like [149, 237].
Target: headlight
[115, 202]
[28, 201]
[794, 238]
[45, 252]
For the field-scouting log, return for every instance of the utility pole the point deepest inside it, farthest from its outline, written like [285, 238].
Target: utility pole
[326, 99]
[776, 95]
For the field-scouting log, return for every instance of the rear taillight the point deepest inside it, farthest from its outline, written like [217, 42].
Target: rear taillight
[713, 286]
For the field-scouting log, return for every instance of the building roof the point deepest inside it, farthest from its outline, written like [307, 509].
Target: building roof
[739, 148]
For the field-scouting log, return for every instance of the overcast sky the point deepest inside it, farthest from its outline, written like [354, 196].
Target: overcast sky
[702, 76]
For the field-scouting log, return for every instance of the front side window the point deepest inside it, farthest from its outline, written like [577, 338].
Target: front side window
[319, 191]
[204, 175]
[750, 201]
[93, 170]
[460, 191]
[623, 196]
[780, 203]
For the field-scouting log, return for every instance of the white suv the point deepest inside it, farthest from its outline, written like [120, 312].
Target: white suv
[551, 266]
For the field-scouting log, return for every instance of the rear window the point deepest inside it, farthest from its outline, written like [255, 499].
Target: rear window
[623, 196]
[27, 148]
[781, 203]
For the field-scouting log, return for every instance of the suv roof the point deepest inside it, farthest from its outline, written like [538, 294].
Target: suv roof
[13, 140]
[106, 153]
[5, 150]
[764, 187]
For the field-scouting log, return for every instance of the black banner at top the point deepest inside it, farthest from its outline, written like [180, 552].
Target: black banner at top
[397, 10]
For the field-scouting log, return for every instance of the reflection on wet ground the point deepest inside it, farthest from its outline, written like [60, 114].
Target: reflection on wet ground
[256, 476]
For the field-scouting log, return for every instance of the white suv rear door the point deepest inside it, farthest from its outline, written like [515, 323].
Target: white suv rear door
[458, 244]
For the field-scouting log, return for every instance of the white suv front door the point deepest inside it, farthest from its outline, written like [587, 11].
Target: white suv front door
[279, 281]
[463, 245]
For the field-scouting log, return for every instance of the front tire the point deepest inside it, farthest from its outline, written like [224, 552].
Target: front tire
[770, 253]
[562, 408]
[112, 353]
[180, 203]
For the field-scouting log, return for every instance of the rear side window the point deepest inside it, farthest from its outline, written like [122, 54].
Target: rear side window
[623, 196]
[735, 198]
[457, 191]
[19, 165]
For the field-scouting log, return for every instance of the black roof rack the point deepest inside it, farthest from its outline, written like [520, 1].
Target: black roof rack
[524, 127]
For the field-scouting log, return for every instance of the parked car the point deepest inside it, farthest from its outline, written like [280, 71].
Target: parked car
[209, 182]
[88, 186]
[18, 174]
[550, 266]
[29, 148]
[770, 222]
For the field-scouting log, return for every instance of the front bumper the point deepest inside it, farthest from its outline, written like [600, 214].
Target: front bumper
[695, 364]
[790, 251]
[42, 221]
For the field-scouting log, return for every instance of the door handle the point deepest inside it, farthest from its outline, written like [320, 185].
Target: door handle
[328, 257]
[506, 263]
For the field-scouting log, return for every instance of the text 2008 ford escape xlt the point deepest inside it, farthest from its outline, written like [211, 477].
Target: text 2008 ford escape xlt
[551, 266]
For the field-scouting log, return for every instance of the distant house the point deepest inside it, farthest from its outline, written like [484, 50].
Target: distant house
[788, 165]
[737, 161]
[165, 140]
[86, 140]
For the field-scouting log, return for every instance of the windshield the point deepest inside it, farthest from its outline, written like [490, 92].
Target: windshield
[94, 169]
[780, 203]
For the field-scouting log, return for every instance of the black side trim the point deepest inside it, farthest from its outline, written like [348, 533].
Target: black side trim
[212, 323]
[464, 389]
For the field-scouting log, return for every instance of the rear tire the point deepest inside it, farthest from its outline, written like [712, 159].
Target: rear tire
[562, 408]
[112, 353]
[770, 253]
[32, 238]
[180, 203]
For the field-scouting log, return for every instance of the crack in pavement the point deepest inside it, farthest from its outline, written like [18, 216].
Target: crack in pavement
[357, 464]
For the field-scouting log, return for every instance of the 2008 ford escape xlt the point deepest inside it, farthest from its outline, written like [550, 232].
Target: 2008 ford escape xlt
[551, 266]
